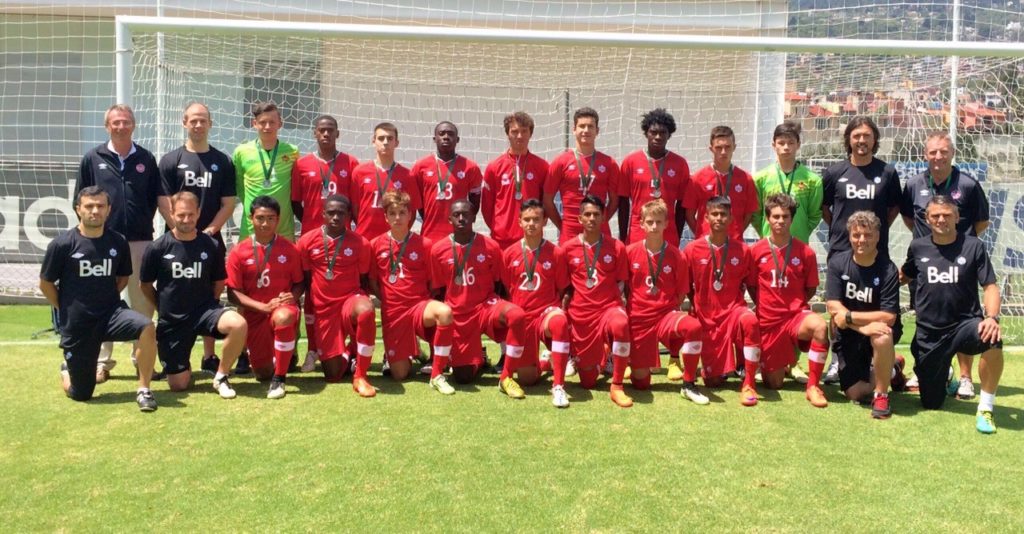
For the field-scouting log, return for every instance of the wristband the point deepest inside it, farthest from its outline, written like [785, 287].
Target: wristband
[849, 319]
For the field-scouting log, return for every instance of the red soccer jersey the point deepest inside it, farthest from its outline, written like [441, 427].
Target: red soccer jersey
[637, 183]
[564, 177]
[712, 306]
[780, 296]
[352, 259]
[498, 202]
[313, 179]
[550, 277]
[707, 183]
[672, 284]
[369, 183]
[262, 273]
[411, 275]
[459, 181]
[481, 261]
[612, 267]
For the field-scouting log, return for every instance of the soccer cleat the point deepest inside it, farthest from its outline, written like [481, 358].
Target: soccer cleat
[362, 386]
[510, 387]
[984, 423]
[798, 374]
[675, 373]
[609, 364]
[210, 364]
[440, 383]
[691, 392]
[913, 384]
[899, 380]
[619, 397]
[276, 390]
[427, 369]
[570, 367]
[223, 387]
[816, 397]
[559, 398]
[880, 407]
[242, 366]
[628, 374]
[309, 364]
[146, 401]
[102, 374]
[832, 376]
[966, 388]
[385, 369]
[748, 396]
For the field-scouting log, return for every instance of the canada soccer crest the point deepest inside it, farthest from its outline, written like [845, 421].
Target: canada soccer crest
[413, 256]
[113, 253]
[602, 168]
[460, 175]
[795, 261]
[734, 261]
[607, 258]
[529, 176]
[347, 252]
[282, 259]
[672, 173]
[203, 256]
[666, 269]
[214, 167]
[480, 258]
[546, 265]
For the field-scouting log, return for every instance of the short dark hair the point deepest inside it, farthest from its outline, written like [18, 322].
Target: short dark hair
[521, 118]
[857, 122]
[531, 203]
[339, 198]
[325, 118]
[779, 200]
[436, 126]
[585, 112]
[590, 198]
[259, 108]
[265, 201]
[91, 191]
[943, 200]
[722, 131]
[658, 116]
[719, 201]
[387, 127]
[787, 129]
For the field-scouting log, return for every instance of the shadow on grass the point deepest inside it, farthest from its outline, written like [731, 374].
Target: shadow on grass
[164, 399]
[1006, 417]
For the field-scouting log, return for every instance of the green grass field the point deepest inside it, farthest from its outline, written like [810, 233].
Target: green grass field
[323, 459]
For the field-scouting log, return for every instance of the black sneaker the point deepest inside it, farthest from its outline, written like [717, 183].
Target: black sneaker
[158, 375]
[242, 367]
[210, 364]
[276, 390]
[146, 401]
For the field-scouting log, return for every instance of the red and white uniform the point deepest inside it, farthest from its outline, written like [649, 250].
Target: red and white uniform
[720, 312]
[637, 184]
[707, 183]
[262, 273]
[564, 177]
[498, 202]
[593, 309]
[655, 316]
[459, 180]
[366, 197]
[403, 301]
[476, 309]
[539, 298]
[782, 299]
[313, 179]
[334, 299]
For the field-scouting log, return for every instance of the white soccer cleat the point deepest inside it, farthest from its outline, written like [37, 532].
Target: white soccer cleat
[309, 364]
[223, 388]
[966, 388]
[694, 395]
[559, 398]
[570, 367]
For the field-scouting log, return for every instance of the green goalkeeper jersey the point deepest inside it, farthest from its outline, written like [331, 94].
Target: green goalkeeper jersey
[266, 172]
[803, 184]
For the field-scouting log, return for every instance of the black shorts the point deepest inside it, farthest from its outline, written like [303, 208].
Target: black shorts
[933, 352]
[80, 340]
[174, 341]
[854, 352]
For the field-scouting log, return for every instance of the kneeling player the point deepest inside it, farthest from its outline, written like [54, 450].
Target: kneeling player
[598, 269]
[863, 293]
[718, 267]
[400, 277]
[536, 277]
[782, 279]
[83, 273]
[265, 282]
[659, 282]
[188, 269]
[466, 273]
[336, 263]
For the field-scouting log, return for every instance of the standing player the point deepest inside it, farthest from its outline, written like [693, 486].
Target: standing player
[718, 266]
[444, 177]
[944, 178]
[371, 179]
[128, 173]
[265, 282]
[659, 282]
[782, 278]
[208, 174]
[789, 176]
[315, 177]
[863, 291]
[83, 272]
[654, 173]
[949, 266]
[336, 262]
[580, 172]
[536, 277]
[598, 272]
[188, 269]
[511, 179]
[466, 273]
[400, 277]
[264, 167]
[721, 179]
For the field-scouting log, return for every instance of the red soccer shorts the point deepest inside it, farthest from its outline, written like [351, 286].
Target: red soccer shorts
[780, 342]
[401, 333]
[644, 347]
[532, 338]
[333, 324]
[721, 341]
[591, 332]
[467, 345]
[259, 340]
